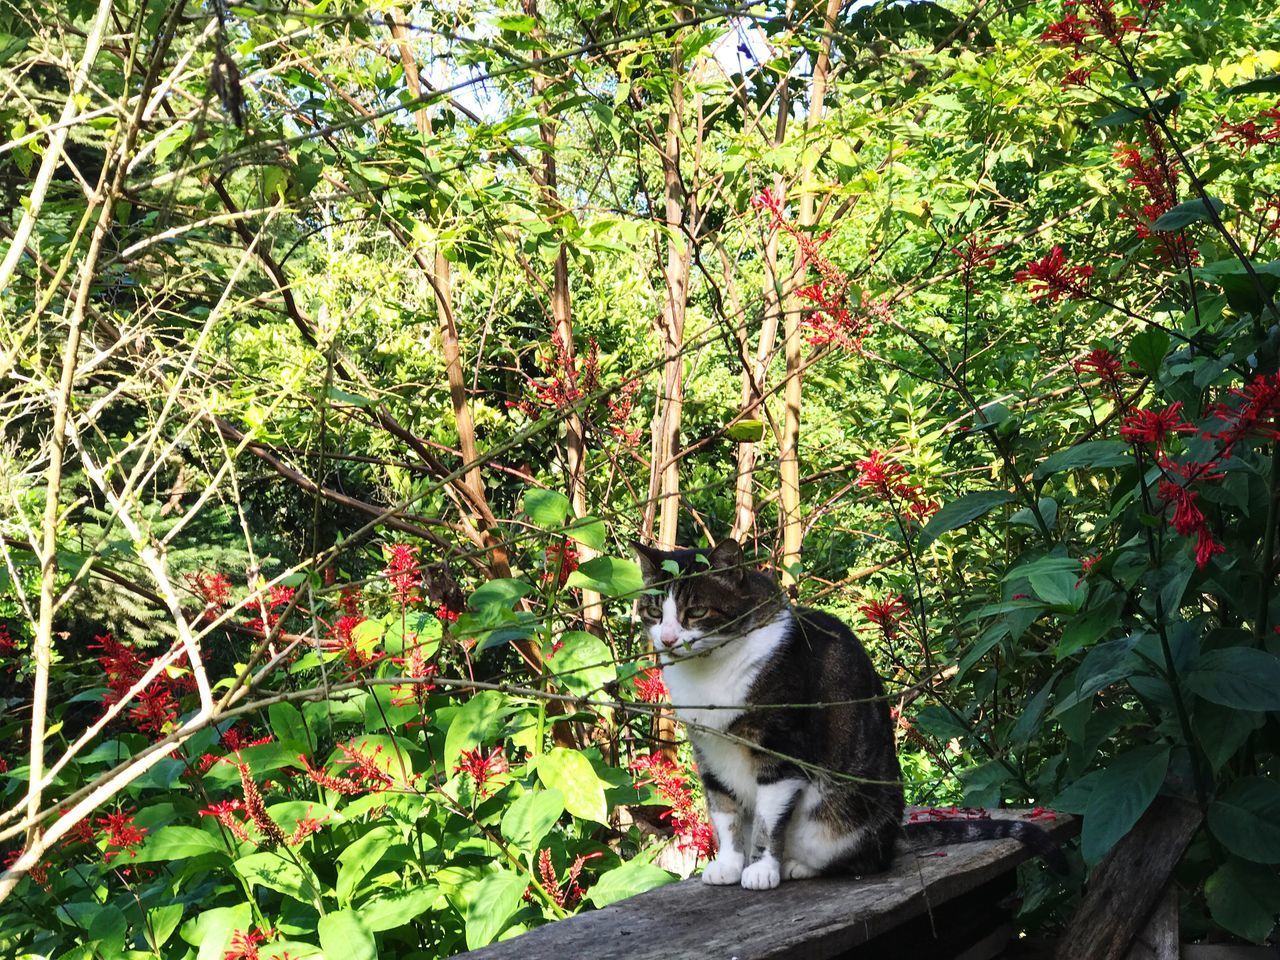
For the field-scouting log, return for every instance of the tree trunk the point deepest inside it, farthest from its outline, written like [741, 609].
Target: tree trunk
[792, 517]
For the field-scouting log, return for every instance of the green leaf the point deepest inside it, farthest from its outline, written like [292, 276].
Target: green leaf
[588, 531]
[1243, 898]
[1120, 796]
[501, 593]
[287, 725]
[1269, 84]
[355, 862]
[610, 576]
[493, 900]
[1129, 114]
[1148, 348]
[546, 508]
[211, 931]
[177, 843]
[344, 936]
[956, 514]
[392, 910]
[631, 878]
[1094, 455]
[572, 775]
[1085, 629]
[584, 664]
[531, 817]
[1187, 213]
[275, 871]
[474, 725]
[746, 431]
[161, 922]
[1240, 677]
[1246, 819]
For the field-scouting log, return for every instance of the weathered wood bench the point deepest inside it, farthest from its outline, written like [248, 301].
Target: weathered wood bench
[925, 906]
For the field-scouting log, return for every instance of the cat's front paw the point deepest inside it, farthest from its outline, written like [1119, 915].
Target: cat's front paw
[722, 871]
[764, 874]
[795, 870]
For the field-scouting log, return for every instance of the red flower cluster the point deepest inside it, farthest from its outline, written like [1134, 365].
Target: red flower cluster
[1188, 519]
[416, 668]
[1075, 78]
[1259, 130]
[1156, 176]
[340, 638]
[39, 872]
[1103, 364]
[568, 379]
[974, 254]
[255, 809]
[404, 573]
[277, 599]
[122, 834]
[1254, 413]
[1155, 426]
[245, 944]
[446, 614]
[213, 588]
[8, 649]
[124, 667]
[1051, 278]
[889, 479]
[650, 687]
[620, 413]
[948, 813]
[568, 893]
[886, 614]
[225, 813]
[1070, 31]
[234, 739]
[481, 767]
[562, 560]
[831, 321]
[692, 830]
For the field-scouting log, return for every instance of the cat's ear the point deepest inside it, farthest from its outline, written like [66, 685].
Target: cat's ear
[650, 561]
[727, 559]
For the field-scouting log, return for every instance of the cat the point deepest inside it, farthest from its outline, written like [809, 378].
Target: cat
[789, 724]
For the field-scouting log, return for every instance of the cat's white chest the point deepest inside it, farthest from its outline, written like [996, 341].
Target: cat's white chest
[710, 691]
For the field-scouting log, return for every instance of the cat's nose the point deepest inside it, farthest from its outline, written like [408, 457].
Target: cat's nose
[669, 639]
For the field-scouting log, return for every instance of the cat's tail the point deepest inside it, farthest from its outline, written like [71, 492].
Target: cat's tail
[945, 832]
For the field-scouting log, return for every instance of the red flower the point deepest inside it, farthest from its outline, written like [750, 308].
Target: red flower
[562, 560]
[1067, 32]
[1254, 414]
[364, 768]
[771, 200]
[445, 614]
[1075, 78]
[245, 943]
[692, 831]
[121, 834]
[886, 614]
[481, 767]
[404, 573]
[620, 413]
[304, 828]
[1155, 426]
[1100, 361]
[879, 474]
[256, 809]
[213, 588]
[415, 667]
[974, 254]
[8, 647]
[1050, 278]
[570, 892]
[569, 379]
[650, 687]
[1247, 134]
[225, 813]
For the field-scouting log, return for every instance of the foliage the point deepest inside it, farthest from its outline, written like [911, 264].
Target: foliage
[343, 353]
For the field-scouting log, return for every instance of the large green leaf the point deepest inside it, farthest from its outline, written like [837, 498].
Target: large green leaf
[546, 508]
[388, 911]
[612, 576]
[1246, 819]
[1240, 677]
[572, 775]
[631, 878]
[530, 818]
[584, 664]
[344, 936]
[475, 724]
[1093, 455]
[1244, 898]
[1120, 796]
[492, 902]
[177, 843]
[956, 514]
[275, 871]
[1187, 213]
[355, 862]
[211, 930]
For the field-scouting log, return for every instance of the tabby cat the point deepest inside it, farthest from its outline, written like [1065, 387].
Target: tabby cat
[789, 725]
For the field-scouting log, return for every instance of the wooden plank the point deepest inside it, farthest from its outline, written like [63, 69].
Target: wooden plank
[1159, 938]
[813, 919]
[1124, 888]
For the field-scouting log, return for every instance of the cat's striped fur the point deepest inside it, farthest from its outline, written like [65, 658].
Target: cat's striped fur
[789, 725]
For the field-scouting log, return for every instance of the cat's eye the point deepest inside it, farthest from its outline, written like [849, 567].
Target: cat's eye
[696, 613]
[650, 612]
